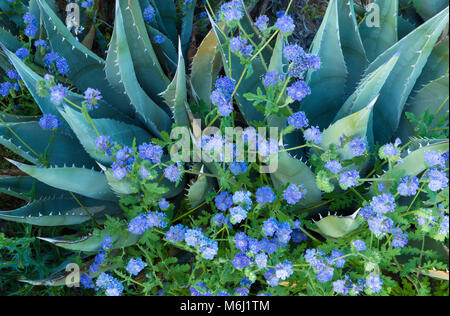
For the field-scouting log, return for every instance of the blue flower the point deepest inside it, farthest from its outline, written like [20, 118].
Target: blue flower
[57, 94]
[193, 237]
[261, 260]
[294, 53]
[221, 97]
[265, 195]
[339, 287]
[380, 225]
[357, 146]
[5, 88]
[103, 143]
[135, 266]
[334, 166]
[238, 167]
[151, 152]
[434, 158]
[223, 201]
[400, 239]
[232, 11]
[172, 173]
[408, 186]
[261, 23]
[284, 270]
[292, 194]
[374, 283]
[241, 261]
[22, 53]
[241, 45]
[62, 66]
[149, 14]
[383, 204]
[349, 179]
[298, 90]
[176, 233]
[159, 39]
[271, 277]
[209, 249]
[359, 245]
[138, 225]
[238, 214]
[163, 204]
[49, 122]
[270, 227]
[241, 241]
[437, 180]
[92, 97]
[298, 120]
[314, 135]
[285, 24]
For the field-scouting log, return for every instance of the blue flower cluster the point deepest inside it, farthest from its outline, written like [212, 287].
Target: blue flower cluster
[31, 25]
[193, 238]
[135, 266]
[49, 122]
[141, 223]
[221, 96]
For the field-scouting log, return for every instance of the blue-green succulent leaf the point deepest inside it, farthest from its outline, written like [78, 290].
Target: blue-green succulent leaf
[92, 243]
[176, 94]
[64, 150]
[146, 65]
[120, 133]
[320, 107]
[86, 182]
[378, 38]
[352, 45]
[205, 67]
[429, 8]
[414, 51]
[86, 68]
[59, 212]
[434, 98]
[28, 188]
[354, 125]
[294, 171]
[151, 114]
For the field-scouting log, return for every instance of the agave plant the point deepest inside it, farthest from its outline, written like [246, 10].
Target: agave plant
[131, 80]
[369, 76]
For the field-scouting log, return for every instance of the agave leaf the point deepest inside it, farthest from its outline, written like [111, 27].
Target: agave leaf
[10, 41]
[86, 182]
[433, 97]
[92, 243]
[151, 114]
[61, 275]
[378, 39]
[166, 17]
[404, 27]
[121, 187]
[186, 26]
[67, 149]
[28, 188]
[352, 45]
[429, 8]
[414, 50]
[368, 89]
[356, 124]
[12, 118]
[337, 227]
[59, 212]
[204, 67]
[199, 189]
[436, 66]
[294, 171]
[146, 65]
[320, 107]
[413, 164]
[120, 133]
[176, 94]
[30, 79]
[86, 68]
[166, 51]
